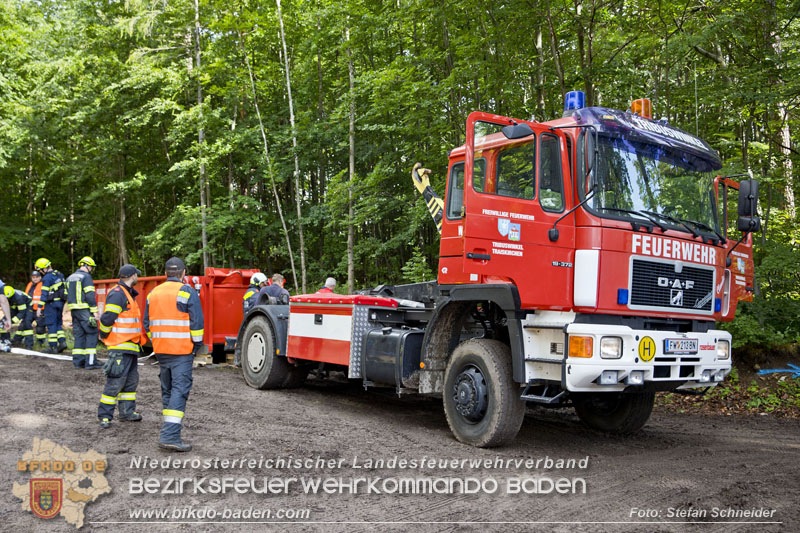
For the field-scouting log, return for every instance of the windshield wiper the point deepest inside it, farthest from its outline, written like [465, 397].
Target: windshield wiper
[675, 220]
[661, 226]
[705, 227]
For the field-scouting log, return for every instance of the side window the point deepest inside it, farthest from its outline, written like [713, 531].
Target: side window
[516, 171]
[551, 188]
[455, 193]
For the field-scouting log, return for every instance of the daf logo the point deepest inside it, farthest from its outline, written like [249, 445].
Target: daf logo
[676, 284]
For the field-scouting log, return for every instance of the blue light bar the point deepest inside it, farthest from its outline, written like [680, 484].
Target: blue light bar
[717, 305]
[574, 100]
[622, 296]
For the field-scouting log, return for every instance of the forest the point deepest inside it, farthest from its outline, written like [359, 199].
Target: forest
[280, 135]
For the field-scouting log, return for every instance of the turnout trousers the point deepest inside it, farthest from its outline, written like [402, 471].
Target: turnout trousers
[25, 331]
[176, 382]
[120, 390]
[53, 319]
[84, 352]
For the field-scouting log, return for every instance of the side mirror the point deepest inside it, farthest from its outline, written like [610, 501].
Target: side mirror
[748, 198]
[517, 131]
[748, 224]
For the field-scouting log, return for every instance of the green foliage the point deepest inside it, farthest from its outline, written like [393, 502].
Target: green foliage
[416, 269]
[99, 122]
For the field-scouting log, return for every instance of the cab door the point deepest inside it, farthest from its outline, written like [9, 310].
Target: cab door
[524, 191]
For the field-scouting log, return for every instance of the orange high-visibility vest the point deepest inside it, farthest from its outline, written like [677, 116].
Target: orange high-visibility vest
[37, 294]
[126, 333]
[169, 328]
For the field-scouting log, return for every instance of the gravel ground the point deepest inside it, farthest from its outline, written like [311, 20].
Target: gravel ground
[689, 462]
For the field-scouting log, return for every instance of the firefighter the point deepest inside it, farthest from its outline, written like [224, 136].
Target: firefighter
[82, 304]
[275, 290]
[34, 290]
[52, 304]
[5, 322]
[173, 319]
[121, 330]
[19, 303]
[250, 297]
[330, 284]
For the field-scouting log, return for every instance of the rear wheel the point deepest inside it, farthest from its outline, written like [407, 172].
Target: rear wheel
[481, 400]
[614, 412]
[262, 369]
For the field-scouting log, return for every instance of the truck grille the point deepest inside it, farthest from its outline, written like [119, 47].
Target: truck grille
[654, 284]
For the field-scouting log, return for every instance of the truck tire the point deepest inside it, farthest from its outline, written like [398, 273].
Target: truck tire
[614, 412]
[262, 369]
[481, 400]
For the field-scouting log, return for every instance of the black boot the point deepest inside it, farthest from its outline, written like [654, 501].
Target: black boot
[62, 345]
[134, 417]
[175, 446]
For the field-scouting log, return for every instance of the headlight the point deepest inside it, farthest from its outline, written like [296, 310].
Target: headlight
[723, 349]
[611, 347]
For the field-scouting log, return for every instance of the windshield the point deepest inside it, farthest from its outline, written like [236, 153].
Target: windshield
[645, 181]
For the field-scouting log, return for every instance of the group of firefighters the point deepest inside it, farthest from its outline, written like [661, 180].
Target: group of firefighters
[172, 320]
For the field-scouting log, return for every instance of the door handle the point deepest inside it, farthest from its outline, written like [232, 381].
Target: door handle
[482, 257]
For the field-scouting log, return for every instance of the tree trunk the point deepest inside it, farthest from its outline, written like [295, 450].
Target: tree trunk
[123, 249]
[297, 189]
[539, 74]
[270, 170]
[556, 54]
[350, 228]
[201, 136]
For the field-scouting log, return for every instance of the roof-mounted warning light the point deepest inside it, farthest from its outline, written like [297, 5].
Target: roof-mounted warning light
[642, 107]
[573, 101]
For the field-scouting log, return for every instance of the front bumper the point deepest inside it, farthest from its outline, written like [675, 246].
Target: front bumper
[664, 371]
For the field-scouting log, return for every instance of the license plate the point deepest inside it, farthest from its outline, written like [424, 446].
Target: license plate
[680, 346]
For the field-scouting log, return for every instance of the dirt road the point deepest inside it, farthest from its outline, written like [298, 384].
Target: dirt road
[687, 464]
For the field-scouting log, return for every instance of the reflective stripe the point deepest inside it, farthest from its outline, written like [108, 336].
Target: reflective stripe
[248, 294]
[114, 308]
[197, 338]
[196, 332]
[182, 300]
[78, 351]
[126, 396]
[108, 399]
[172, 416]
[126, 330]
[90, 288]
[104, 329]
[183, 294]
[169, 322]
[169, 335]
[126, 346]
[127, 320]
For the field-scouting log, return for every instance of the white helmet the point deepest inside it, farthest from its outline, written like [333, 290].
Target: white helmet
[258, 278]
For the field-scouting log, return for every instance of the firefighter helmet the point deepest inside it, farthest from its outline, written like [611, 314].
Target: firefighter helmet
[9, 291]
[258, 278]
[87, 261]
[42, 263]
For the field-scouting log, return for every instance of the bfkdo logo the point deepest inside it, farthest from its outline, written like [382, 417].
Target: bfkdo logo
[46, 497]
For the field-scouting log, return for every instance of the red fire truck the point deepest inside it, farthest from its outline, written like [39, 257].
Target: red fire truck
[584, 262]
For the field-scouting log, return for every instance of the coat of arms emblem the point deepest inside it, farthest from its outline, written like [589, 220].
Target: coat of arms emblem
[46, 497]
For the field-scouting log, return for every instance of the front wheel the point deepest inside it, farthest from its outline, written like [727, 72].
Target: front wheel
[614, 412]
[481, 400]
